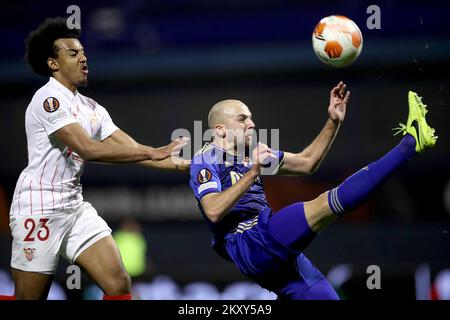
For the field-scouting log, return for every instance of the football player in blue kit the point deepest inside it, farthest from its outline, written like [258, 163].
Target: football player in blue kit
[267, 246]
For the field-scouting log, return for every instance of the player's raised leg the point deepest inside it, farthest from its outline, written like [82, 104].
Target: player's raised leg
[31, 285]
[418, 136]
[295, 226]
[103, 263]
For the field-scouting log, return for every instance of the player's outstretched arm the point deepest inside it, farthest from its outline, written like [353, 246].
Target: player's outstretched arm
[309, 160]
[217, 205]
[76, 138]
[174, 162]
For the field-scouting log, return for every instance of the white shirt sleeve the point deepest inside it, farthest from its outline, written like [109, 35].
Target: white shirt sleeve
[107, 125]
[52, 111]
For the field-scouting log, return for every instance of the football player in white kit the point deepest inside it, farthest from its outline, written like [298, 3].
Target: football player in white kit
[64, 130]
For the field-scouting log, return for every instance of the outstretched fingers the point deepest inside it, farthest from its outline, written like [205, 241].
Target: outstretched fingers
[342, 90]
[178, 144]
[347, 97]
[335, 90]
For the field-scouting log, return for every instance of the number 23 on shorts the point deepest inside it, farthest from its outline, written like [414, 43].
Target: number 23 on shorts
[42, 234]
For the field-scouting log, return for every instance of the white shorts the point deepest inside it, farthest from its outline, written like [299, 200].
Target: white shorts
[38, 240]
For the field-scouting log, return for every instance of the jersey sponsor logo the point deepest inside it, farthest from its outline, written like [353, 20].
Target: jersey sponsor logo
[51, 104]
[29, 253]
[235, 176]
[204, 176]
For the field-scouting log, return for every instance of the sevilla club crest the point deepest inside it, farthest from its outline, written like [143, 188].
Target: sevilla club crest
[29, 253]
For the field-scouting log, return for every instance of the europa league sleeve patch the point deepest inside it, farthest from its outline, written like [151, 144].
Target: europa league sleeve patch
[51, 104]
[204, 176]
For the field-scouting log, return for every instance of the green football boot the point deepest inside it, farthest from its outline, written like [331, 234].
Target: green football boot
[416, 125]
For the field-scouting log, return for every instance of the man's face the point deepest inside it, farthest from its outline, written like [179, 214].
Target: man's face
[72, 62]
[238, 124]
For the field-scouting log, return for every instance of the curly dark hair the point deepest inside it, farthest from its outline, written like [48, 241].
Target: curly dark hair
[40, 43]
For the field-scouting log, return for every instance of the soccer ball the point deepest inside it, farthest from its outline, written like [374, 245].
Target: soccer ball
[337, 41]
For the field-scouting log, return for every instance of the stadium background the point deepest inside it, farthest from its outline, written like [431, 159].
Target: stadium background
[160, 65]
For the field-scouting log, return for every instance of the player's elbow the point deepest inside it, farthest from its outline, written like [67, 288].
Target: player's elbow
[212, 207]
[306, 166]
[312, 167]
[214, 215]
[213, 212]
[215, 218]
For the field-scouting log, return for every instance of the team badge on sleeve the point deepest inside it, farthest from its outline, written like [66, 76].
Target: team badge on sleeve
[204, 176]
[29, 253]
[51, 104]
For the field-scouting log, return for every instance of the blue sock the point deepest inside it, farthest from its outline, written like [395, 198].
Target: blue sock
[357, 188]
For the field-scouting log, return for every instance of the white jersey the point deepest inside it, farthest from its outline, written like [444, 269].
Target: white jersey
[51, 181]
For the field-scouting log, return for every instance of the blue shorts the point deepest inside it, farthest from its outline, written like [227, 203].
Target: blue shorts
[286, 272]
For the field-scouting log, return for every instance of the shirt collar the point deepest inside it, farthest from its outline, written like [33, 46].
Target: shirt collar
[237, 158]
[58, 85]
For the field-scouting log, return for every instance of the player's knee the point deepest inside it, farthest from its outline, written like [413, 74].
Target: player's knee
[119, 284]
[320, 202]
[318, 212]
[318, 206]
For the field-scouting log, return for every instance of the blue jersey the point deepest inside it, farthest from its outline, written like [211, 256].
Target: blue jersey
[213, 171]
[243, 235]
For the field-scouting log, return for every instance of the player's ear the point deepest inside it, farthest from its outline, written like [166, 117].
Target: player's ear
[220, 130]
[53, 64]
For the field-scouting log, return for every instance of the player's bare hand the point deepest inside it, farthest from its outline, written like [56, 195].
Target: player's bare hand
[338, 102]
[171, 150]
[262, 155]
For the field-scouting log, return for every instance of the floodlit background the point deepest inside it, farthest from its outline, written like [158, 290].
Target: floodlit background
[160, 65]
